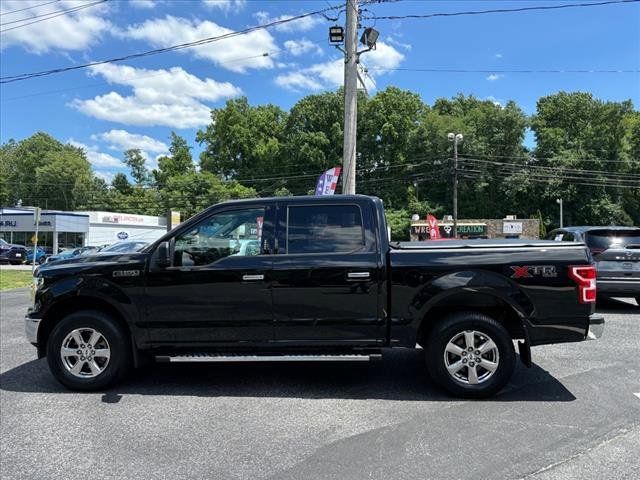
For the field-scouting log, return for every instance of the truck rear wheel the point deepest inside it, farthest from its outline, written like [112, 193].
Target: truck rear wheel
[88, 350]
[470, 355]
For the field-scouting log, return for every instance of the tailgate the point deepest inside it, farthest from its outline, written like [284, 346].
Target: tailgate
[619, 263]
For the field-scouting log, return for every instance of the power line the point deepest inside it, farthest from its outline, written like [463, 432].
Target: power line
[501, 70]
[97, 84]
[535, 158]
[56, 14]
[203, 41]
[25, 19]
[497, 10]
[28, 8]
[551, 168]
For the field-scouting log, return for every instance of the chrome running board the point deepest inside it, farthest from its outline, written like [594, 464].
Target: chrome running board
[230, 358]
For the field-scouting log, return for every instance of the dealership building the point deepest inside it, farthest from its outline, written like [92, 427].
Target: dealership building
[58, 229]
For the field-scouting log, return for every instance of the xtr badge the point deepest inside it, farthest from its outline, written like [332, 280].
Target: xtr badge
[530, 271]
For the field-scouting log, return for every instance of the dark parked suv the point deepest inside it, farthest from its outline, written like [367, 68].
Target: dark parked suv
[13, 254]
[616, 251]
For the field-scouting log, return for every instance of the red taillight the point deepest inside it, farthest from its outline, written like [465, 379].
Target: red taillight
[585, 277]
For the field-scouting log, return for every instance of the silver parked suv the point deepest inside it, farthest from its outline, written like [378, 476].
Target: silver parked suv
[616, 251]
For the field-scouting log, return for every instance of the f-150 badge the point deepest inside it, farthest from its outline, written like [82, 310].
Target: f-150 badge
[126, 273]
[529, 271]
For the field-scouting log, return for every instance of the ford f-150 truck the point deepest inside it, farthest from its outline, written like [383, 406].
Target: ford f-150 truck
[322, 282]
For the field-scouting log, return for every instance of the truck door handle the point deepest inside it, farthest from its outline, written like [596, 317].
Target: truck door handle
[252, 278]
[358, 275]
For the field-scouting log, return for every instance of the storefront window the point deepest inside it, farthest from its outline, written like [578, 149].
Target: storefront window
[70, 240]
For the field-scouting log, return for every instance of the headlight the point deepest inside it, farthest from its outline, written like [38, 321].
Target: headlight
[38, 282]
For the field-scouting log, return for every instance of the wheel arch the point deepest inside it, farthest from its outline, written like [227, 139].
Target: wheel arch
[70, 305]
[489, 302]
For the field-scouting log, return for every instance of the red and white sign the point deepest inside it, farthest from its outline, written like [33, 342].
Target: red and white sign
[434, 231]
[260, 221]
[328, 181]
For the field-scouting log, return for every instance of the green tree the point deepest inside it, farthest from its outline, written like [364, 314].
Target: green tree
[136, 162]
[191, 192]
[177, 163]
[577, 133]
[121, 183]
[388, 122]
[243, 142]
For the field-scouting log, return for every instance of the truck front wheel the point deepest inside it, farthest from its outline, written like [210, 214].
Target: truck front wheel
[470, 355]
[88, 350]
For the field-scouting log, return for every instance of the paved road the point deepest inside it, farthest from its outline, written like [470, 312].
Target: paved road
[574, 415]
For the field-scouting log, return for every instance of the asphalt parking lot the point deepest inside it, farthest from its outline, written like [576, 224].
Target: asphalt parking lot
[575, 414]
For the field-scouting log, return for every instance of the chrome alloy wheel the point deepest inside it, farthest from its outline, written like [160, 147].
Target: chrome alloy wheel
[85, 353]
[471, 357]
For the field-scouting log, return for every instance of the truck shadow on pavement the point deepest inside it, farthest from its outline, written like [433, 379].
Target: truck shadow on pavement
[617, 306]
[400, 375]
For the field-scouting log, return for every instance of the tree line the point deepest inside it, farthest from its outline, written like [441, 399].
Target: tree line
[587, 153]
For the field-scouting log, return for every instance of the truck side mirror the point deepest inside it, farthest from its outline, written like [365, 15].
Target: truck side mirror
[162, 255]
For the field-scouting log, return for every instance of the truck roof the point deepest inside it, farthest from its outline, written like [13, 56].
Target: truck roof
[301, 198]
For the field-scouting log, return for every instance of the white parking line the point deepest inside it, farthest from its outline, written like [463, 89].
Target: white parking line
[637, 394]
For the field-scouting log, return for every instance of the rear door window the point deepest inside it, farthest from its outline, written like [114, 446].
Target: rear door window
[324, 229]
[601, 240]
[560, 236]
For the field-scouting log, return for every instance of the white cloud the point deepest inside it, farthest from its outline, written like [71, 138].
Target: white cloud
[160, 97]
[300, 25]
[236, 53]
[298, 81]
[142, 4]
[123, 140]
[76, 30]
[498, 55]
[383, 57]
[95, 157]
[393, 41]
[299, 47]
[496, 101]
[330, 74]
[225, 5]
[104, 175]
[494, 76]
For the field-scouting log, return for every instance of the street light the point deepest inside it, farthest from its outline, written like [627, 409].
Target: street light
[369, 38]
[455, 138]
[559, 202]
[336, 34]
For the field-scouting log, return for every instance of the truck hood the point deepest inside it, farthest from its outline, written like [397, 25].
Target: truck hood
[91, 262]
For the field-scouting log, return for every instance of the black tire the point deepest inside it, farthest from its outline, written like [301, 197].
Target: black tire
[485, 327]
[117, 342]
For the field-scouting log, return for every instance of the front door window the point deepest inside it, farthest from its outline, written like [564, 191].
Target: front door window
[230, 233]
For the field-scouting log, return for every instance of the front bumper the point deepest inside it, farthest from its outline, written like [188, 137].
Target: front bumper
[596, 327]
[31, 326]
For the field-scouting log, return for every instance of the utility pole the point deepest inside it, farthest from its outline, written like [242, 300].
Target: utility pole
[455, 138]
[350, 99]
[559, 202]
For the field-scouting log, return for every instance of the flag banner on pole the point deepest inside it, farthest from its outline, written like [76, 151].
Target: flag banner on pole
[327, 181]
[434, 231]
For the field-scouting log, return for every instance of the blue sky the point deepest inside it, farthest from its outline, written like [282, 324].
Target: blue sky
[137, 103]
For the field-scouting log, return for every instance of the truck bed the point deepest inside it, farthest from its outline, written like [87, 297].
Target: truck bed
[496, 243]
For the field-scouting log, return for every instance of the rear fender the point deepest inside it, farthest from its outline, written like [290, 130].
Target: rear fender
[478, 290]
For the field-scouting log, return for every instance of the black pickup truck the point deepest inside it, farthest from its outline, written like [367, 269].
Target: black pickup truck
[311, 279]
